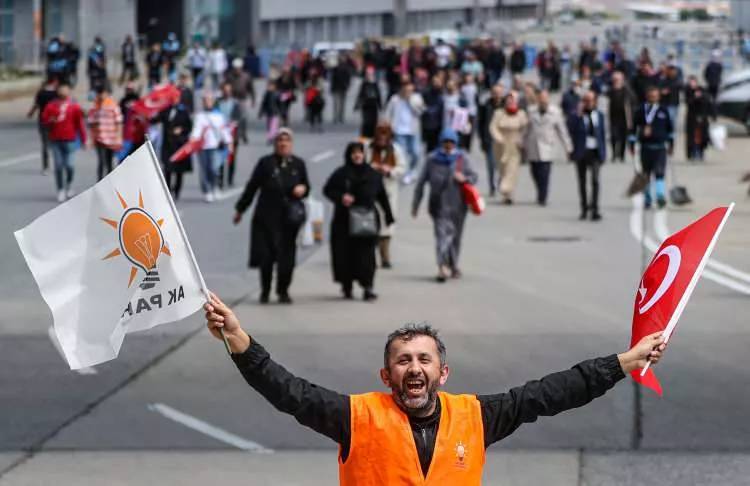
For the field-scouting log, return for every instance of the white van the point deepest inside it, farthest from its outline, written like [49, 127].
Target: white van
[733, 100]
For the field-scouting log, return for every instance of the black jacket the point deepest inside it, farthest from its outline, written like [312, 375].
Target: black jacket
[518, 61]
[661, 131]
[275, 179]
[353, 258]
[327, 412]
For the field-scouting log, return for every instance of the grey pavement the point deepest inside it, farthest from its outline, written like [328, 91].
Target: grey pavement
[542, 291]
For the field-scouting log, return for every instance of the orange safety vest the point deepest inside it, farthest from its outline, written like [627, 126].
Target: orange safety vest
[382, 449]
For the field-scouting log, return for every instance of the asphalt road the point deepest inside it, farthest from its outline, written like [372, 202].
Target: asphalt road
[542, 292]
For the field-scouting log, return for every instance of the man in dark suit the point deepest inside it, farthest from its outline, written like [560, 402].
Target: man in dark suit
[587, 132]
[654, 131]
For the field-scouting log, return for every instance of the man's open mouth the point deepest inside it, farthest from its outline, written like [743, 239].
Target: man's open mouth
[415, 386]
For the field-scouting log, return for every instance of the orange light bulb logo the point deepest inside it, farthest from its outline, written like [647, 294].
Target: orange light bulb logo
[141, 241]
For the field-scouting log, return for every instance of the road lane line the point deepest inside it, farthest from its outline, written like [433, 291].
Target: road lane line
[53, 337]
[317, 158]
[208, 429]
[18, 160]
[230, 193]
[662, 233]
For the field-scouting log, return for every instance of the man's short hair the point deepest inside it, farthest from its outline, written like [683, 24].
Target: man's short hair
[409, 332]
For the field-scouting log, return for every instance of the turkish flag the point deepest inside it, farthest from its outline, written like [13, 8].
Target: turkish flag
[186, 150]
[158, 100]
[669, 280]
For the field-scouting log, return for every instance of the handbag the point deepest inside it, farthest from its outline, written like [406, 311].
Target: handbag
[295, 213]
[363, 221]
[471, 195]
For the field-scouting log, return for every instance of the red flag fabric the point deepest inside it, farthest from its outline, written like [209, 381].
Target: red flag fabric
[189, 148]
[669, 280]
[158, 100]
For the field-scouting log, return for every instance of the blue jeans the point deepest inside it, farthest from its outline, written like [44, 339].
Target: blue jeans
[411, 146]
[62, 154]
[210, 160]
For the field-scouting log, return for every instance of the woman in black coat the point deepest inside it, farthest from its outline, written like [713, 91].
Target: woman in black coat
[176, 126]
[282, 181]
[355, 184]
[370, 103]
[700, 111]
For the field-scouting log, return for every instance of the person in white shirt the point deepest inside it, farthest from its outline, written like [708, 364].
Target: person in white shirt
[197, 57]
[212, 128]
[218, 64]
[404, 111]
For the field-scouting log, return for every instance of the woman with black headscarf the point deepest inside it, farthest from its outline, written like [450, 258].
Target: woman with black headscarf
[354, 189]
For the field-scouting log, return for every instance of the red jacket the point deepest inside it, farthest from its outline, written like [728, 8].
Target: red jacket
[65, 120]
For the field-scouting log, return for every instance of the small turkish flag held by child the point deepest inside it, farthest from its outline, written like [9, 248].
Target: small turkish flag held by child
[669, 280]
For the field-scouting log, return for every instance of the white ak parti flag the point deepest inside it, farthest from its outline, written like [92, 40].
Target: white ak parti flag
[113, 260]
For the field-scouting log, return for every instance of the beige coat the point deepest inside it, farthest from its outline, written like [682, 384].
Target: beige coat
[545, 134]
[508, 133]
[391, 184]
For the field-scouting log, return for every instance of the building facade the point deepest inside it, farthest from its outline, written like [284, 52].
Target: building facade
[26, 25]
[740, 14]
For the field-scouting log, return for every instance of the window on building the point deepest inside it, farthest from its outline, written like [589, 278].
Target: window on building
[53, 18]
[6, 31]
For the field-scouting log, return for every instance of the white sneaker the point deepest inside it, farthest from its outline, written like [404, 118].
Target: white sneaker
[209, 197]
[217, 194]
[60, 196]
[69, 193]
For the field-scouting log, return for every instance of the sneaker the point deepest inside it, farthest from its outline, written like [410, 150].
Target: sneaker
[456, 273]
[61, 196]
[386, 265]
[45, 172]
[217, 194]
[285, 299]
[583, 215]
[661, 203]
[596, 217]
[209, 197]
[263, 298]
[69, 193]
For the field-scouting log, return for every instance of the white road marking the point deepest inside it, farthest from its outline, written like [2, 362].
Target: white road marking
[208, 429]
[662, 232]
[56, 343]
[18, 160]
[317, 158]
[230, 193]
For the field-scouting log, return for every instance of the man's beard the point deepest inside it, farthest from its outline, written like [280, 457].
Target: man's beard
[415, 406]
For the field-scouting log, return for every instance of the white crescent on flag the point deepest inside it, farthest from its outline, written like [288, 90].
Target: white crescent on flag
[675, 258]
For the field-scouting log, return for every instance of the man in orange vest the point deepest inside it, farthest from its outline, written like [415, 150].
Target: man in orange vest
[417, 435]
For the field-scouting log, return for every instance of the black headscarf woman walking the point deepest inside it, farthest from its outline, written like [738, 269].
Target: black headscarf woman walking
[281, 178]
[355, 185]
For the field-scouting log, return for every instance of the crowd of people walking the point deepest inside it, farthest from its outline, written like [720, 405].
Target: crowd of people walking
[420, 109]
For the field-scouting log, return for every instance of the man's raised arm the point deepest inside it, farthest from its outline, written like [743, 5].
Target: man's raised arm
[503, 413]
[323, 410]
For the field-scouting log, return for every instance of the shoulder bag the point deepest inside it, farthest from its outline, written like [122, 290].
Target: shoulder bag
[363, 221]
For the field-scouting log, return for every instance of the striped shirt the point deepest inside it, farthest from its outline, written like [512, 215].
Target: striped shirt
[105, 122]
